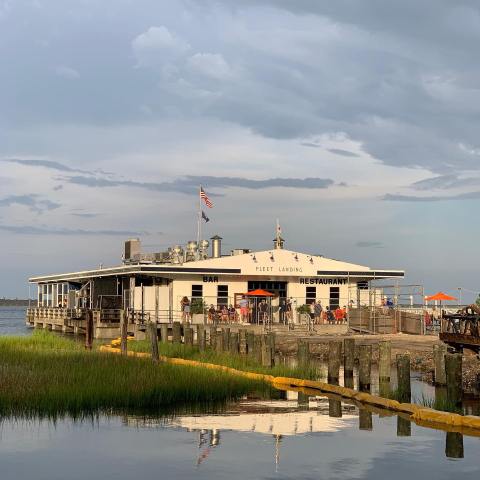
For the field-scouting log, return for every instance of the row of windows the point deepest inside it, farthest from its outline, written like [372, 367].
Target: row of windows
[222, 293]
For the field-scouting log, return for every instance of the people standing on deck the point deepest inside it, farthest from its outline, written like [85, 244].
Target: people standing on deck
[224, 314]
[330, 316]
[243, 309]
[338, 315]
[211, 313]
[317, 311]
[185, 308]
[263, 309]
[232, 314]
[288, 310]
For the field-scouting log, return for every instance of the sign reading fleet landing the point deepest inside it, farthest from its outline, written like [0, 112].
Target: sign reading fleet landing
[279, 269]
[323, 281]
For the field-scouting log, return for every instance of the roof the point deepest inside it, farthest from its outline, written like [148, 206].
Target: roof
[279, 263]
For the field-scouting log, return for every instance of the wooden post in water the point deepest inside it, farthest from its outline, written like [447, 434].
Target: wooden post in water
[89, 330]
[234, 343]
[212, 332]
[123, 331]
[303, 354]
[384, 367]
[267, 357]
[177, 332]
[364, 368]
[154, 341]
[334, 359]
[188, 335]
[164, 332]
[454, 445]
[242, 341]
[453, 369]
[348, 361]
[439, 352]
[403, 378]
[226, 338]
[250, 342]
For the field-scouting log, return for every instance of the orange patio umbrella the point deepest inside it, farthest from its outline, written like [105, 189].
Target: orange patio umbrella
[440, 296]
[260, 293]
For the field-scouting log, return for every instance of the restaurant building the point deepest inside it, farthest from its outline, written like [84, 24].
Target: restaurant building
[153, 286]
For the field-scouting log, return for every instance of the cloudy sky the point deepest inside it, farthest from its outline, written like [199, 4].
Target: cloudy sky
[355, 123]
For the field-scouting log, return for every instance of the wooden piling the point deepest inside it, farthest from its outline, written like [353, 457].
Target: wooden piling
[453, 370]
[384, 360]
[303, 354]
[154, 341]
[348, 359]
[257, 348]
[219, 342]
[267, 356]
[365, 419]
[250, 343]
[404, 393]
[404, 427]
[242, 341]
[89, 330]
[454, 445]
[123, 331]
[188, 336]
[234, 343]
[439, 352]
[303, 401]
[334, 359]
[364, 367]
[334, 408]
[177, 332]
[201, 337]
[164, 332]
[226, 338]
[212, 332]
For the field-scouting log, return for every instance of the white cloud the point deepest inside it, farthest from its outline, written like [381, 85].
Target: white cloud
[210, 65]
[67, 72]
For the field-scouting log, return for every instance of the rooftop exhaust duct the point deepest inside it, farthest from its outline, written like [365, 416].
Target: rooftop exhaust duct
[216, 246]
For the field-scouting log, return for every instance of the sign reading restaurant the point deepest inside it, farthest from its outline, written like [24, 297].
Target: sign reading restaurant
[323, 281]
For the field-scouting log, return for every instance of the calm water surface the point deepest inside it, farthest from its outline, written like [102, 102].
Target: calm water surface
[263, 440]
[12, 321]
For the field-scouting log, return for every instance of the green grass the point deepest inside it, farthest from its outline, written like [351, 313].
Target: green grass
[49, 376]
[239, 362]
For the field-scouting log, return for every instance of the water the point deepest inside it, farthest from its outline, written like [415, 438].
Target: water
[12, 321]
[253, 440]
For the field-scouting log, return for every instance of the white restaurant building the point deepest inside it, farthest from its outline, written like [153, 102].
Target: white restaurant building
[154, 284]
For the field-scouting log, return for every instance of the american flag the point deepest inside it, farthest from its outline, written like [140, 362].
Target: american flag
[204, 197]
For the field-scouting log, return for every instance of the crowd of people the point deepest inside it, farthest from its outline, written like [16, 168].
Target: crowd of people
[250, 310]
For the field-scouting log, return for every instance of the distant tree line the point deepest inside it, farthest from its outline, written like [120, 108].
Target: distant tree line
[14, 302]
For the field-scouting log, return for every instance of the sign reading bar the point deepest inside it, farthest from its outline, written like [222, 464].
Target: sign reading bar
[323, 281]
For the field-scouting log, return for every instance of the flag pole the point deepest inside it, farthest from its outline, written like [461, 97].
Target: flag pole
[199, 219]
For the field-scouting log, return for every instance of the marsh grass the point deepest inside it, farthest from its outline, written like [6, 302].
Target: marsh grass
[238, 362]
[49, 376]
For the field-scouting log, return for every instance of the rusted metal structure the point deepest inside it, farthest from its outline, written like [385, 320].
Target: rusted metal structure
[462, 329]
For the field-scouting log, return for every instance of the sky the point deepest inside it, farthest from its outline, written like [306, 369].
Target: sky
[353, 123]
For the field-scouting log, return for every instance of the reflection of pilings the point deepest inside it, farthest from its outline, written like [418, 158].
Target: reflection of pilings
[334, 408]
[214, 438]
[302, 401]
[365, 419]
[454, 445]
[404, 427]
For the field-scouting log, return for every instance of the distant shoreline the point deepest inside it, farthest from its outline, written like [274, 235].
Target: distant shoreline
[14, 302]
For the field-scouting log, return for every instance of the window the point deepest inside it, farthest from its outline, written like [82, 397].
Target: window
[222, 294]
[311, 294]
[334, 297]
[362, 285]
[197, 291]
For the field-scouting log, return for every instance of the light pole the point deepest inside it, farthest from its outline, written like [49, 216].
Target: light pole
[460, 296]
